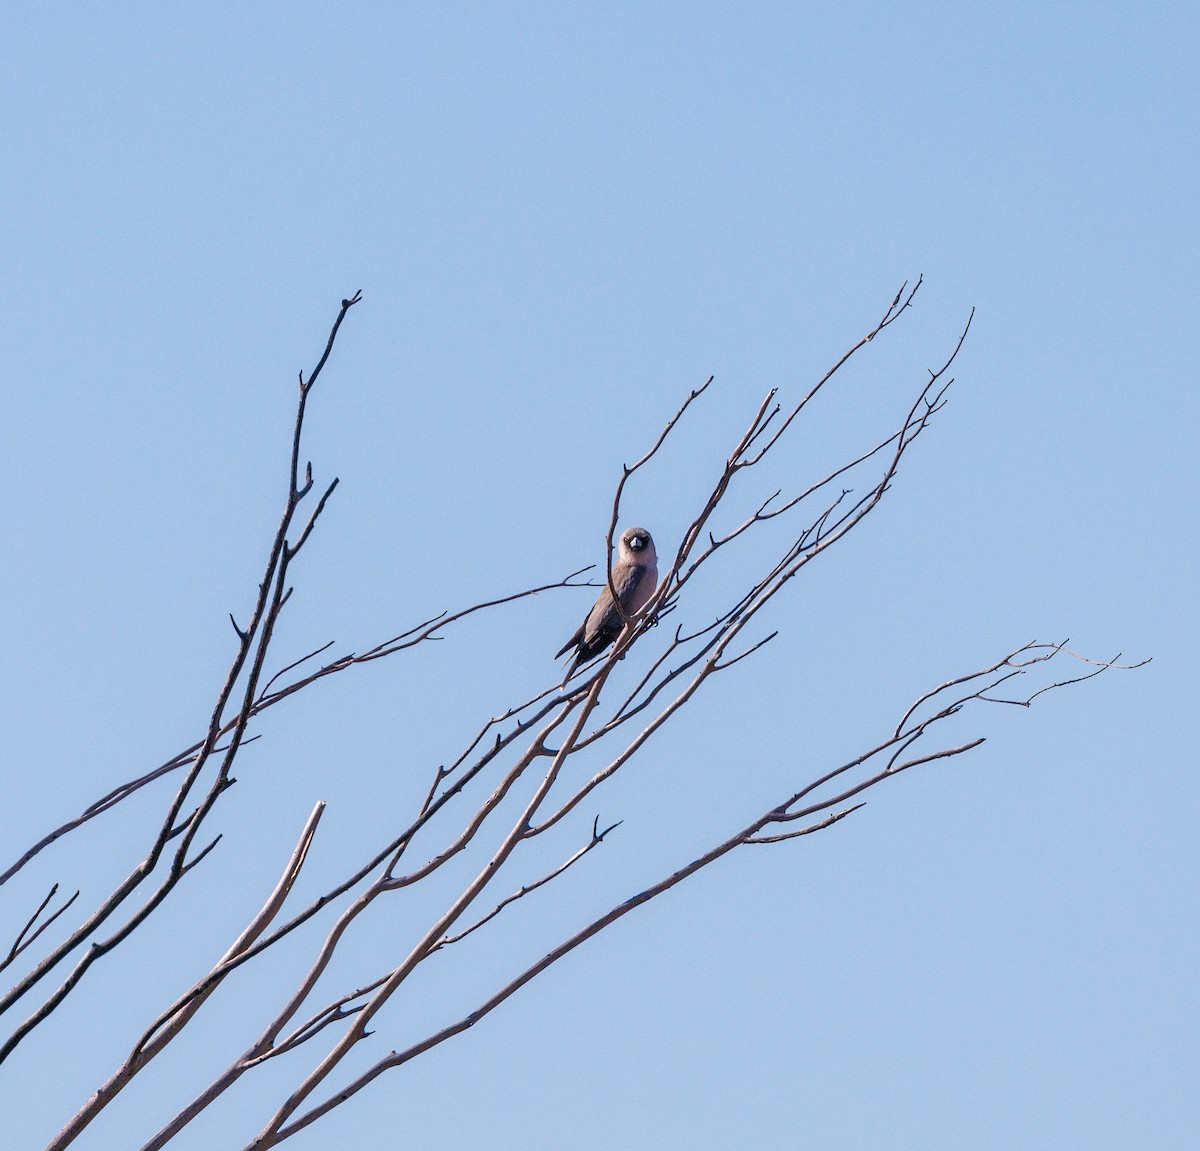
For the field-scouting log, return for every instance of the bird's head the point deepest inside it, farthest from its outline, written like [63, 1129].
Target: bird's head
[637, 545]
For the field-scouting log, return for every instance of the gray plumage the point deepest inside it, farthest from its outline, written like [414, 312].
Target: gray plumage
[634, 576]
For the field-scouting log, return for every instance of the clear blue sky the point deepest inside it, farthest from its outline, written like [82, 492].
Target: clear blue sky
[563, 217]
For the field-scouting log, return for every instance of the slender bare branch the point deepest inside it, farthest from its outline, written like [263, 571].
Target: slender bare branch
[171, 1022]
[28, 934]
[627, 471]
[595, 841]
[250, 657]
[828, 821]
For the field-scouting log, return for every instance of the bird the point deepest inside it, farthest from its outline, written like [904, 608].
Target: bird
[634, 576]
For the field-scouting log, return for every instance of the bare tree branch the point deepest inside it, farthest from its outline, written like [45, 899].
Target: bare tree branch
[250, 656]
[424, 632]
[276, 1132]
[28, 934]
[520, 773]
[595, 841]
[168, 1025]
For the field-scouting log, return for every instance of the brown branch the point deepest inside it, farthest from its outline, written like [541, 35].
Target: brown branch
[717, 644]
[191, 863]
[260, 1050]
[421, 633]
[276, 1133]
[894, 311]
[108, 801]
[797, 555]
[595, 841]
[749, 835]
[828, 821]
[626, 472]
[251, 654]
[27, 934]
[172, 1021]
[394, 849]
[338, 1010]
[357, 1029]
[293, 550]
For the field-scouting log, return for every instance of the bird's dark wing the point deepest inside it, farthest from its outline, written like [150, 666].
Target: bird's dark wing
[634, 584]
[597, 639]
[593, 635]
[604, 622]
[572, 642]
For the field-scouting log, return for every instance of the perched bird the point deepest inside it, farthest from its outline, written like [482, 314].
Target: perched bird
[634, 576]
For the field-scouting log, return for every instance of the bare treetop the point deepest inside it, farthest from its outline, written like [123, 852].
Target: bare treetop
[509, 785]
